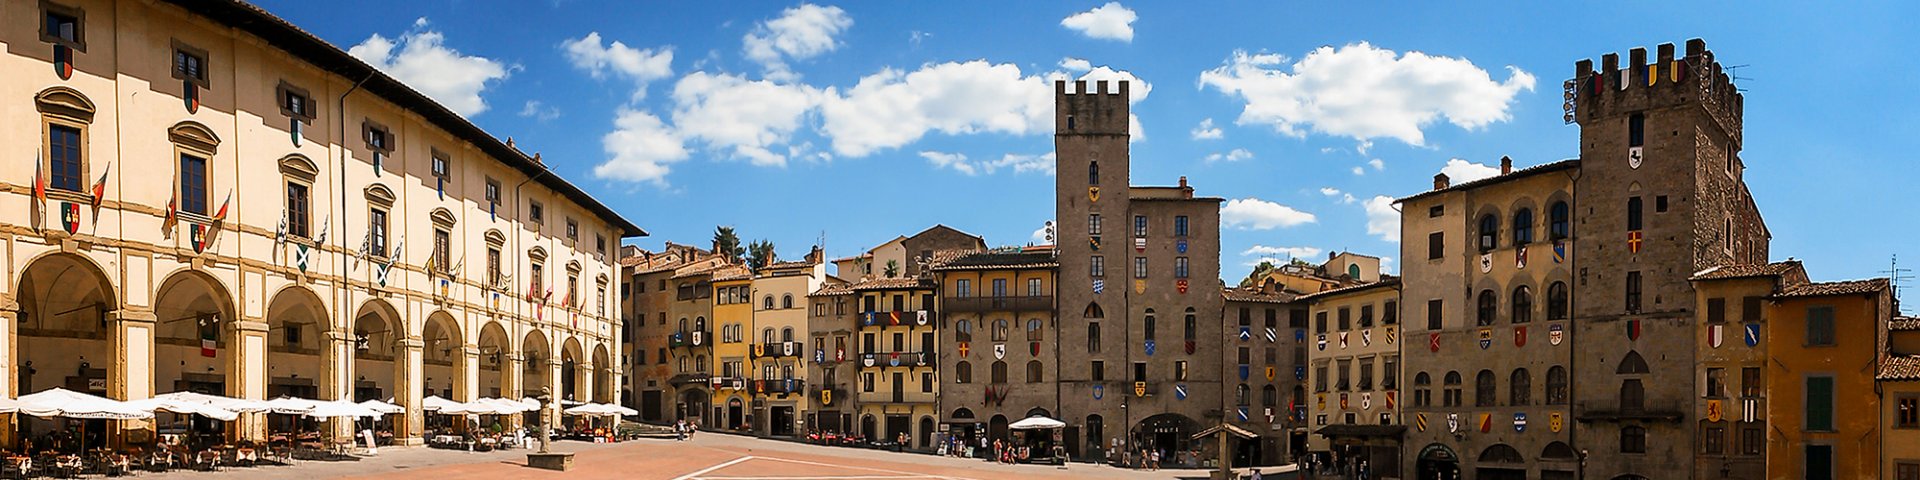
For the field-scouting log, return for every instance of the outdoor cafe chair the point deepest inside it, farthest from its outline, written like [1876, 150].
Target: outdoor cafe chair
[17, 467]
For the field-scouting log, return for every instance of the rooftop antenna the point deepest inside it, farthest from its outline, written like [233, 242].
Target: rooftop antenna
[1733, 72]
[1895, 274]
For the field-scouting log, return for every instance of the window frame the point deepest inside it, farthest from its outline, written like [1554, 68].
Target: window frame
[184, 50]
[79, 17]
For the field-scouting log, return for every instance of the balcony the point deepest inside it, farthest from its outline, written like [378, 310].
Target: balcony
[897, 318]
[689, 379]
[728, 383]
[997, 304]
[778, 349]
[897, 359]
[830, 395]
[781, 387]
[695, 338]
[885, 394]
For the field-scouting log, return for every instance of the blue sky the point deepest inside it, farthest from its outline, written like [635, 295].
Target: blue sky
[863, 121]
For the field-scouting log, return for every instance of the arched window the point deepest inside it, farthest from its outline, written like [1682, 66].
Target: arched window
[999, 371]
[1522, 304]
[1452, 389]
[766, 303]
[1269, 396]
[1489, 232]
[1633, 395]
[1632, 364]
[1034, 371]
[963, 331]
[963, 372]
[786, 334]
[1483, 389]
[786, 301]
[700, 323]
[1557, 301]
[1093, 311]
[1523, 226]
[1633, 439]
[1501, 453]
[1000, 330]
[1557, 221]
[1422, 390]
[1191, 325]
[1033, 330]
[1240, 394]
[683, 324]
[1093, 172]
[766, 335]
[1093, 337]
[1520, 388]
[1556, 385]
[1487, 308]
[1149, 325]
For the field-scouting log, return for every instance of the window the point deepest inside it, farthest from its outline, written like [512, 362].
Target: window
[1557, 220]
[493, 265]
[1634, 222]
[1139, 267]
[536, 212]
[1240, 394]
[1000, 330]
[493, 195]
[1523, 304]
[193, 184]
[1139, 225]
[68, 171]
[1633, 395]
[999, 372]
[1180, 226]
[1422, 394]
[1636, 130]
[786, 301]
[1034, 288]
[1436, 211]
[962, 330]
[190, 64]
[1750, 382]
[1389, 373]
[962, 288]
[1819, 462]
[1344, 374]
[1716, 382]
[1819, 326]
[573, 230]
[537, 277]
[1753, 440]
[297, 208]
[1906, 412]
[926, 380]
[1191, 331]
[1436, 246]
[1523, 226]
[1093, 337]
[1633, 439]
[1320, 322]
[1148, 325]
[1488, 306]
[1093, 224]
[442, 250]
[1433, 315]
[1320, 377]
[1179, 267]
[1556, 385]
[1633, 292]
[1366, 316]
[1452, 387]
[1819, 400]
[1389, 314]
[1346, 318]
[600, 243]
[1034, 332]
[1906, 471]
[1750, 309]
[866, 382]
[1520, 388]
[1097, 266]
[379, 141]
[1366, 374]
[1489, 229]
[1034, 371]
[999, 288]
[1483, 389]
[767, 303]
[1660, 204]
[1093, 168]
[1557, 301]
[64, 26]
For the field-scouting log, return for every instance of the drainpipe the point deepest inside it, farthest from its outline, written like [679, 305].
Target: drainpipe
[516, 270]
[340, 120]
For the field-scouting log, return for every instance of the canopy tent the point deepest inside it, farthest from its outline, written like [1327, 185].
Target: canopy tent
[1036, 422]
[60, 402]
[485, 406]
[184, 407]
[237, 405]
[290, 405]
[8, 405]
[383, 407]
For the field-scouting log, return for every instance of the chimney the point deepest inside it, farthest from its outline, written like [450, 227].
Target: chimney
[1185, 191]
[816, 255]
[537, 161]
[1440, 181]
[1506, 164]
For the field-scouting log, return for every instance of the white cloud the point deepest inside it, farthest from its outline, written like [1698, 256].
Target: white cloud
[1346, 198]
[750, 117]
[424, 62]
[1235, 155]
[1330, 191]
[1137, 90]
[1075, 64]
[800, 33]
[892, 108]
[1461, 171]
[1359, 171]
[1206, 131]
[1270, 260]
[1377, 164]
[1364, 92]
[1382, 219]
[1040, 236]
[1019, 163]
[536, 110]
[1256, 214]
[1111, 22]
[639, 65]
[641, 148]
[1295, 252]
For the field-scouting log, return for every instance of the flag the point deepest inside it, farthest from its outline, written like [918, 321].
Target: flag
[324, 226]
[457, 264]
[221, 214]
[567, 301]
[209, 346]
[173, 215]
[100, 187]
[366, 247]
[301, 256]
[431, 262]
[39, 177]
[280, 232]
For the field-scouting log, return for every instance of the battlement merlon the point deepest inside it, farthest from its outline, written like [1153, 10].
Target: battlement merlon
[1640, 85]
[1103, 111]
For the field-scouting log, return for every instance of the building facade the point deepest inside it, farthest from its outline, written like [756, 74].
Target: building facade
[691, 345]
[898, 336]
[649, 328]
[1275, 373]
[1733, 365]
[830, 328]
[999, 315]
[1819, 334]
[1354, 370]
[779, 359]
[733, 326]
[1899, 377]
[384, 254]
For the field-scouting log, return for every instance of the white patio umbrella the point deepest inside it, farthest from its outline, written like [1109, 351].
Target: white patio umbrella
[8, 405]
[238, 405]
[383, 407]
[590, 409]
[290, 405]
[1036, 422]
[339, 409]
[185, 408]
[60, 402]
[433, 403]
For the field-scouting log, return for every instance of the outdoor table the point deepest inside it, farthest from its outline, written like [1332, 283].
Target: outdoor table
[208, 459]
[19, 466]
[68, 465]
[247, 455]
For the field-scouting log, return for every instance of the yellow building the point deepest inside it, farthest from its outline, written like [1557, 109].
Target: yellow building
[234, 206]
[897, 340]
[732, 323]
[1900, 401]
[1819, 337]
[780, 357]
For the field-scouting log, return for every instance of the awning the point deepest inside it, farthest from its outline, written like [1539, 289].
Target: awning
[1036, 422]
[1229, 428]
[340, 408]
[433, 403]
[1344, 430]
[237, 405]
[60, 402]
[383, 407]
[184, 407]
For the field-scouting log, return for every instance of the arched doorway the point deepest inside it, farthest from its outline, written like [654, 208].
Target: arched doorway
[296, 320]
[997, 427]
[377, 369]
[1167, 433]
[62, 336]
[194, 321]
[1096, 436]
[693, 403]
[868, 428]
[574, 376]
[602, 375]
[1501, 462]
[736, 413]
[924, 438]
[963, 427]
[1038, 412]
[1437, 462]
[496, 352]
[535, 358]
[443, 358]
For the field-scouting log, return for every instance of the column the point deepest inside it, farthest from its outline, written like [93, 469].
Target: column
[130, 375]
[553, 386]
[466, 387]
[409, 384]
[247, 374]
[9, 387]
[336, 382]
[510, 385]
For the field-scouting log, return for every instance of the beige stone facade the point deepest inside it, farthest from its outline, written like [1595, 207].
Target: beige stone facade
[243, 167]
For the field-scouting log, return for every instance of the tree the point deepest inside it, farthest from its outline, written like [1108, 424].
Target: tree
[760, 254]
[727, 244]
[893, 268]
[1259, 273]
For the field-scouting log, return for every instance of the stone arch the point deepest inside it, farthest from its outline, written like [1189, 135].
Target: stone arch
[602, 374]
[536, 357]
[189, 308]
[380, 195]
[442, 217]
[575, 376]
[380, 364]
[297, 165]
[297, 324]
[496, 353]
[1501, 453]
[65, 304]
[192, 134]
[443, 357]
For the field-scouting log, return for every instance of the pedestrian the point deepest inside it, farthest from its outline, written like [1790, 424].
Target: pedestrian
[1256, 474]
[1364, 471]
[692, 428]
[1153, 460]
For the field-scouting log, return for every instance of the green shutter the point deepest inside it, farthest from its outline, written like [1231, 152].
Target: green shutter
[1820, 403]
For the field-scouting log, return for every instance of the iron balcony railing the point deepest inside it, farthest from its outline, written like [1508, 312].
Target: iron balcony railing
[897, 359]
[997, 304]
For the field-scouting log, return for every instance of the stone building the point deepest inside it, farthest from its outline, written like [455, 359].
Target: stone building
[646, 296]
[1733, 365]
[830, 327]
[1487, 283]
[779, 361]
[1354, 369]
[1140, 267]
[394, 249]
[1660, 195]
[691, 345]
[1275, 373]
[897, 339]
[997, 308]
[1899, 387]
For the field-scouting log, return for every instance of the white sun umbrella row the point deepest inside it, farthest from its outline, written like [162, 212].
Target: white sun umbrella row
[600, 409]
[319, 408]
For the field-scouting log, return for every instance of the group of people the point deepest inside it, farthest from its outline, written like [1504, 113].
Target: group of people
[1338, 467]
[683, 430]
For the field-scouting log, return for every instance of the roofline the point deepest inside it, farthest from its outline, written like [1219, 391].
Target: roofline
[1515, 175]
[306, 46]
[1384, 282]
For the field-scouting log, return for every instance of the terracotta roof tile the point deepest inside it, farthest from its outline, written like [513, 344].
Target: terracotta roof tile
[999, 260]
[1385, 281]
[1900, 367]
[1744, 270]
[1521, 173]
[1903, 324]
[732, 272]
[1253, 294]
[888, 284]
[698, 269]
[833, 289]
[1849, 287]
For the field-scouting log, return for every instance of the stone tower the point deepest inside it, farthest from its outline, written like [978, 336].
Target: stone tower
[1091, 213]
[1659, 196]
